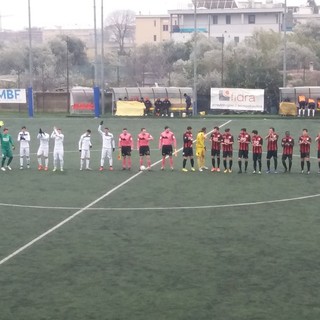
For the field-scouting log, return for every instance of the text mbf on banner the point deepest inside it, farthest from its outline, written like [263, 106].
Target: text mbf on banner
[237, 99]
[13, 96]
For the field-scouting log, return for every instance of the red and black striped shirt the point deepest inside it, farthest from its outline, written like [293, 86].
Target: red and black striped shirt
[257, 142]
[305, 142]
[272, 142]
[287, 144]
[244, 139]
[227, 142]
[216, 139]
[187, 139]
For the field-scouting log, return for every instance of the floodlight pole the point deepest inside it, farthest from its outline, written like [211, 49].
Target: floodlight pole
[68, 76]
[30, 91]
[102, 58]
[96, 89]
[195, 105]
[285, 45]
[222, 60]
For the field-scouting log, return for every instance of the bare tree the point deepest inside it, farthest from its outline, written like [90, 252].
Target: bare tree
[120, 25]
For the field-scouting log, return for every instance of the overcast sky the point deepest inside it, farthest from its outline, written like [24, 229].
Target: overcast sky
[79, 13]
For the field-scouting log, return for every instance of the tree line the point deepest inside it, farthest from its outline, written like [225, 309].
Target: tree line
[256, 62]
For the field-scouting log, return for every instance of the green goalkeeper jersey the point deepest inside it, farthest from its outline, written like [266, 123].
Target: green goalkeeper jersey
[6, 141]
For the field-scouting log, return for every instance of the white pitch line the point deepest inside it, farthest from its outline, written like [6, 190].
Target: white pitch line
[217, 206]
[29, 244]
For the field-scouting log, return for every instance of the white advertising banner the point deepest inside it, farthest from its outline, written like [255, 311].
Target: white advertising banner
[13, 96]
[237, 99]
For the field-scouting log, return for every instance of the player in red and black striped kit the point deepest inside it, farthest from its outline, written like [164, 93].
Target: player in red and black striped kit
[227, 149]
[287, 144]
[216, 139]
[318, 140]
[187, 149]
[305, 142]
[244, 139]
[257, 142]
[272, 149]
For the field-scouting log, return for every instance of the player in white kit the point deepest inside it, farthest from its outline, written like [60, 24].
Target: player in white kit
[58, 150]
[24, 139]
[43, 150]
[108, 146]
[84, 148]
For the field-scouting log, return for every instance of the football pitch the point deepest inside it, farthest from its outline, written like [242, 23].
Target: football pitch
[158, 245]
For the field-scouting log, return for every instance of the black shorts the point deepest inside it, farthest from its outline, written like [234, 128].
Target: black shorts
[187, 152]
[302, 105]
[273, 153]
[167, 150]
[215, 153]
[287, 156]
[304, 155]
[144, 151]
[226, 154]
[256, 156]
[243, 154]
[311, 106]
[126, 151]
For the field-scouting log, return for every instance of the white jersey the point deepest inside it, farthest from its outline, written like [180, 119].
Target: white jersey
[58, 140]
[107, 139]
[85, 142]
[44, 140]
[24, 138]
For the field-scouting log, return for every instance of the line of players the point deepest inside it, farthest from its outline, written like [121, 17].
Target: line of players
[167, 145]
[225, 142]
[7, 145]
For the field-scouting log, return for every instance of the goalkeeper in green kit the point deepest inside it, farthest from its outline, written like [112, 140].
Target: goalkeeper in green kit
[6, 148]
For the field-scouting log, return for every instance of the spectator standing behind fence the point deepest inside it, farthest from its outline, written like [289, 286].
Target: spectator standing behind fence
[188, 104]
[311, 106]
[302, 104]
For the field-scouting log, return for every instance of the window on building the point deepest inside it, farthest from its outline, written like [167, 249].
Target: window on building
[251, 19]
[154, 38]
[165, 27]
[154, 23]
[228, 19]
[214, 19]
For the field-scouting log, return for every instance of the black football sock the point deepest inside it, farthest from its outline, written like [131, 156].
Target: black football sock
[230, 164]
[290, 164]
[240, 165]
[225, 164]
[192, 162]
[245, 165]
[285, 165]
[275, 164]
[218, 162]
[213, 162]
[184, 163]
[255, 165]
[260, 165]
[268, 165]
[302, 165]
[308, 165]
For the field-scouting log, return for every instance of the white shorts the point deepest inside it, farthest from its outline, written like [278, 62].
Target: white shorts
[85, 154]
[25, 151]
[43, 152]
[58, 154]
